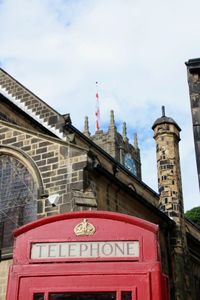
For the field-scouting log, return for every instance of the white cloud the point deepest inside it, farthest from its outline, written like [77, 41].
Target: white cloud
[135, 49]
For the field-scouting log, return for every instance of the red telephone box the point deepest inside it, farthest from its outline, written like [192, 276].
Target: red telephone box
[86, 256]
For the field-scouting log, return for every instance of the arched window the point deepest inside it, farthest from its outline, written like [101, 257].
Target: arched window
[18, 197]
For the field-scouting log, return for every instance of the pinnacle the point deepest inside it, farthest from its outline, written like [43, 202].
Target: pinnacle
[86, 127]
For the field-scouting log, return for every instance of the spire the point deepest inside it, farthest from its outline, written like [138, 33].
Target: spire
[163, 111]
[86, 127]
[112, 121]
[165, 120]
[135, 141]
[124, 132]
[112, 118]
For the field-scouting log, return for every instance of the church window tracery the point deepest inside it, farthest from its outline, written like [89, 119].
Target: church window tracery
[18, 194]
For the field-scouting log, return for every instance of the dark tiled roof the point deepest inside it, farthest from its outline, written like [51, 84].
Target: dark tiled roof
[163, 120]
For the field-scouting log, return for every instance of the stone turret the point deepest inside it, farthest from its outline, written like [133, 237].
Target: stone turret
[167, 137]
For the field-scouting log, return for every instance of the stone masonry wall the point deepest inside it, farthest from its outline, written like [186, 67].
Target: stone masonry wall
[60, 168]
[60, 165]
[4, 269]
[194, 90]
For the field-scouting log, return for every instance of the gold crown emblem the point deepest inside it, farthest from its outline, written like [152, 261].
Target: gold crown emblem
[84, 228]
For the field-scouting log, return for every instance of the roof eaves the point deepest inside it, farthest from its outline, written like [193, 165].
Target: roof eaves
[138, 197]
[105, 154]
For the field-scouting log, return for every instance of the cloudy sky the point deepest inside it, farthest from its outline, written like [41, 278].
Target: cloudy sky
[135, 49]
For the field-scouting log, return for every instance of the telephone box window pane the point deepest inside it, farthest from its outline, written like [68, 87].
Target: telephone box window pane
[126, 295]
[39, 296]
[83, 296]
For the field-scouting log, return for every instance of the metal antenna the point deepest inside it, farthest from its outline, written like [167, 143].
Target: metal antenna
[97, 113]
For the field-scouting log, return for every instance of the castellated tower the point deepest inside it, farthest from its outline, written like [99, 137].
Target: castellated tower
[117, 145]
[167, 137]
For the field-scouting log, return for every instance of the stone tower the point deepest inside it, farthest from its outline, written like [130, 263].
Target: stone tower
[117, 145]
[167, 137]
[193, 68]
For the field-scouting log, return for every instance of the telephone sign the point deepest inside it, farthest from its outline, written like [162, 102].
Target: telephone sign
[101, 249]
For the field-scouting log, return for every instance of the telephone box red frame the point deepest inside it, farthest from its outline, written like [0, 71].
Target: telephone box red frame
[140, 274]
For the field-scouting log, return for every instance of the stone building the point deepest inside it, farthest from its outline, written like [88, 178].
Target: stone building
[193, 71]
[49, 167]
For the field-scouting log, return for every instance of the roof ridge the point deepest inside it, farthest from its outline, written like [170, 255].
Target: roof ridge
[31, 104]
[29, 91]
[32, 114]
